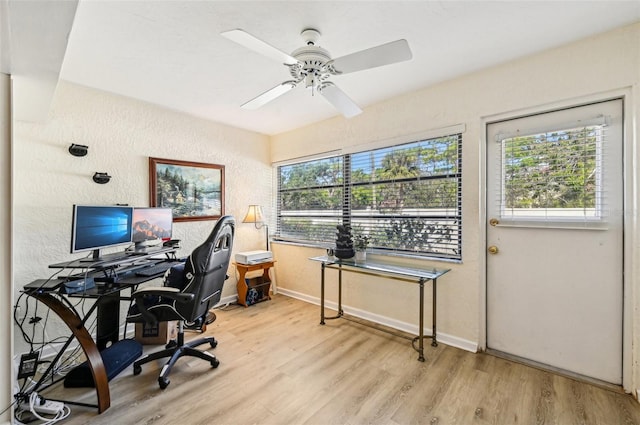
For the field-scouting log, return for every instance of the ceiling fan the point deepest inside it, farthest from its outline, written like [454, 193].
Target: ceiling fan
[313, 66]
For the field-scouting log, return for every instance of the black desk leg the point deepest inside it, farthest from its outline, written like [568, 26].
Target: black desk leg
[108, 320]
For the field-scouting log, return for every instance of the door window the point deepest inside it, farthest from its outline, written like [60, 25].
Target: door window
[552, 176]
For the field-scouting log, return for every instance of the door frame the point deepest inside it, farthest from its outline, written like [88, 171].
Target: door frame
[630, 226]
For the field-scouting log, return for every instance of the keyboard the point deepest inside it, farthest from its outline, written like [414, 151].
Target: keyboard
[157, 269]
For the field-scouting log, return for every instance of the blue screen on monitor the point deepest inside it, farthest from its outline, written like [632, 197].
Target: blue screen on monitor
[96, 227]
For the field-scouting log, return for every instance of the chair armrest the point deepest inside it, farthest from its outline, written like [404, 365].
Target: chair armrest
[155, 290]
[164, 291]
[160, 291]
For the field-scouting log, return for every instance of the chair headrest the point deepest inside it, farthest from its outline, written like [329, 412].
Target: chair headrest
[220, 239]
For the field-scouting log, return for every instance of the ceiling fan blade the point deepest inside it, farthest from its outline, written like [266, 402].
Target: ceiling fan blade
[253, 43]
[269, 95]
[385, 54]
[339, 100]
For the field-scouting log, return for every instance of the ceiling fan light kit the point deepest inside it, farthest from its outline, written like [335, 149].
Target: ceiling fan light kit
[312, 65]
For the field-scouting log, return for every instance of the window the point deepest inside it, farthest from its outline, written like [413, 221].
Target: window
[406, 198]
[553, 175]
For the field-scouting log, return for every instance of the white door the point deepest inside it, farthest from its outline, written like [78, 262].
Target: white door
[555, 239]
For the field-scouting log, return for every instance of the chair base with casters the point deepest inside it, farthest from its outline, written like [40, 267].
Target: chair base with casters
[176, 349]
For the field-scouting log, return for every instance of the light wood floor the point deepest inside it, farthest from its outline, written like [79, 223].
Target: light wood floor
[279, 366]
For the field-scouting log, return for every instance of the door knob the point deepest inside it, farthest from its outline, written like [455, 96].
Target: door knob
[494, 222]
[493, 249]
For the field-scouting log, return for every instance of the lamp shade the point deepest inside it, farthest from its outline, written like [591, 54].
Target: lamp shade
[254, 215]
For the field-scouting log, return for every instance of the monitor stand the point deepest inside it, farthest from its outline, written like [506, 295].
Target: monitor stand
[95, 257]
[145, 247]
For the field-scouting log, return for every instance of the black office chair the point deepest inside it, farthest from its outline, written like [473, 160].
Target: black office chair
[187, 299]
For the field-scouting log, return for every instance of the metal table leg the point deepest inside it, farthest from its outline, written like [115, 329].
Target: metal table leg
[421, 321]
[340, 312]
[434, 343]
[322, 293]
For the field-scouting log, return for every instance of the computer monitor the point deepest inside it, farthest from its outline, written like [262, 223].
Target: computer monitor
[97, 227]
[151, 226]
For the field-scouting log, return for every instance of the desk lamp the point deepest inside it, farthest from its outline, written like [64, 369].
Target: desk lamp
[255, 215]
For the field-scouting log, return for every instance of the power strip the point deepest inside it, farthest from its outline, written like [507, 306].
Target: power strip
[48, 408]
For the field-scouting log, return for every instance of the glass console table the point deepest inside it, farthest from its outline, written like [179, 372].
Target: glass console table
[419, 275]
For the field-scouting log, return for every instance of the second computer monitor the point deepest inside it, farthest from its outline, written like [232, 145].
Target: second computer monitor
[151, 226]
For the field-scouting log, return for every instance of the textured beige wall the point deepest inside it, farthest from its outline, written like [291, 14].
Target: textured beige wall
[586, 69]
[121, 134]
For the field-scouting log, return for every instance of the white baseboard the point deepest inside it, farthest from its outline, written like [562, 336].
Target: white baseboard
[444, 338]
[231, 299]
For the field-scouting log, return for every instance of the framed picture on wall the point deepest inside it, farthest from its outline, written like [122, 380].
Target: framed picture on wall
[193, 190]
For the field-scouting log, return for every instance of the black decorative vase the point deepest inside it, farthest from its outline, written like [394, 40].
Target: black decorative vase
[344, 253]
[344, 242]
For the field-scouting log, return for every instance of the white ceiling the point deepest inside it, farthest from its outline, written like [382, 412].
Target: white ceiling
[170, 53]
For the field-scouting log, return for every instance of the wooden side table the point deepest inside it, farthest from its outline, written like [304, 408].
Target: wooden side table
[242, 286]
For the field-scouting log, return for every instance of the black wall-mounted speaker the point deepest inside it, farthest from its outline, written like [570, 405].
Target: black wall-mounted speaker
[78, 150]
[101, 178]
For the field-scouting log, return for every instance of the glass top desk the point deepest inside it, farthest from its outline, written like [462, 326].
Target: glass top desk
[413, 274]
[107, 308]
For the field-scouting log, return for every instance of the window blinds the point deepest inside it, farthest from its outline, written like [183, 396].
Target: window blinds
[554, 175]
[406, 198]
